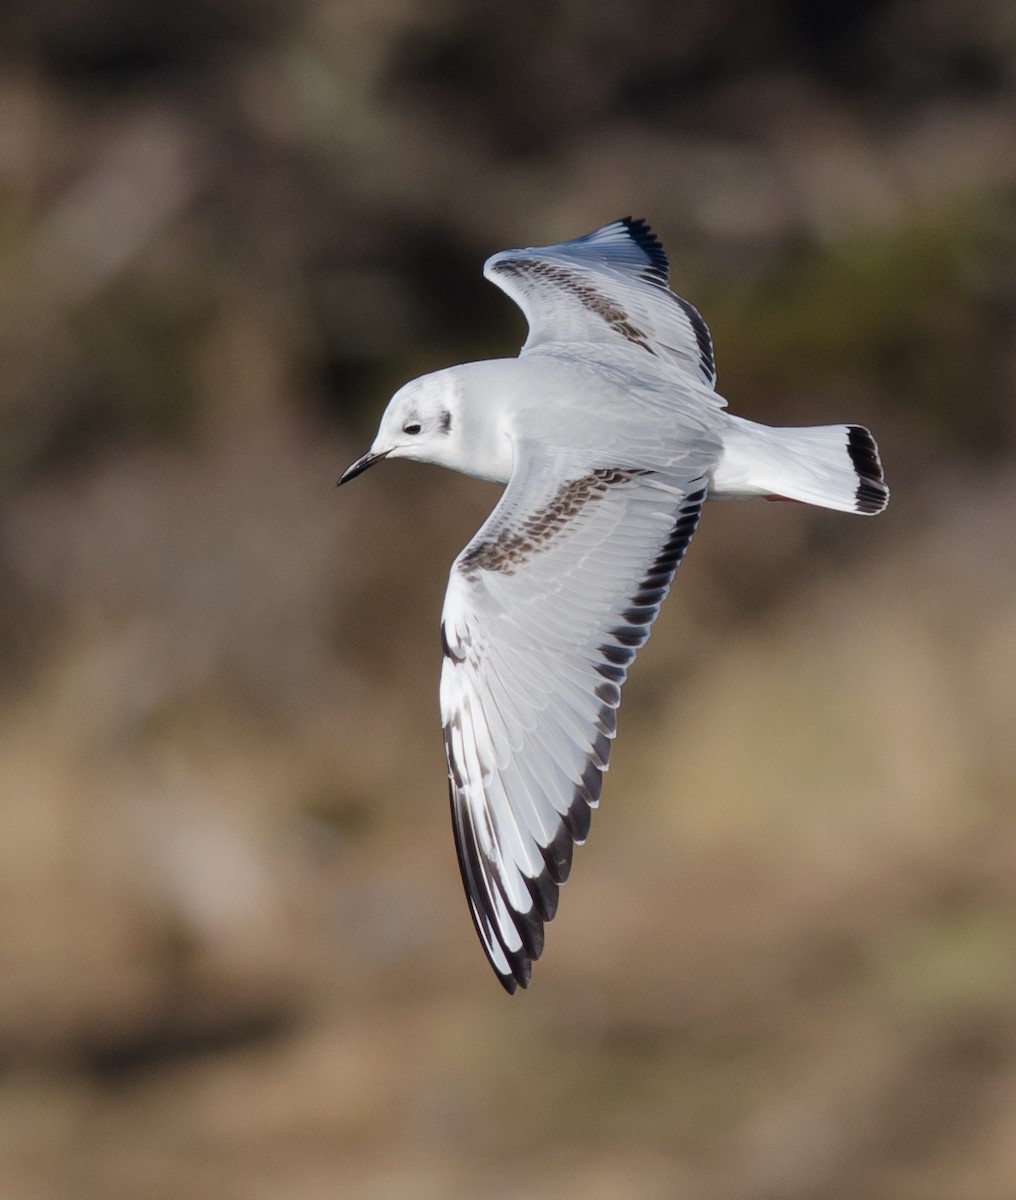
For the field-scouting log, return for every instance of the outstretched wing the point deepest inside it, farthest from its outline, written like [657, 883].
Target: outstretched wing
[544, 612]
[608, 285]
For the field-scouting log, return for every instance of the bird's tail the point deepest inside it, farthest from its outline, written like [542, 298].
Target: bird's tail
[835, 466]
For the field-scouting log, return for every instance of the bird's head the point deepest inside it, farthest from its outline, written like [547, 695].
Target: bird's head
[419, 423]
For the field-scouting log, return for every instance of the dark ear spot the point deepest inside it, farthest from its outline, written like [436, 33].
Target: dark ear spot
[446, 421]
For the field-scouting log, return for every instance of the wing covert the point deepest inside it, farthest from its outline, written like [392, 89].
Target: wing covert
[545, 610]
[608, 286]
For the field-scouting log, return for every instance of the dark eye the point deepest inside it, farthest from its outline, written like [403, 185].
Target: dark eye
[411, 427]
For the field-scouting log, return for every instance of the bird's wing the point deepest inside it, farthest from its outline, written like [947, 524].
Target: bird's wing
[545, 610]
[609, 285]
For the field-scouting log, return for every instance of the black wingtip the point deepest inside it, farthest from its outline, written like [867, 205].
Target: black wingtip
[509, 983]
[520, 974]
[643, 236]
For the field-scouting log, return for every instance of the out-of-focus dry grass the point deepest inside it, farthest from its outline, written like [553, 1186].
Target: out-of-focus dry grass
[234, 955]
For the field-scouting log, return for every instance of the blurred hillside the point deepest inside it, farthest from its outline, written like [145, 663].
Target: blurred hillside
[235, 960]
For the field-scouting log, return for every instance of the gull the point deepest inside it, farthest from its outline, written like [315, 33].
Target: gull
[609, 435]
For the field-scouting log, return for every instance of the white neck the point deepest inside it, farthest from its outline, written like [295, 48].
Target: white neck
[480, 443]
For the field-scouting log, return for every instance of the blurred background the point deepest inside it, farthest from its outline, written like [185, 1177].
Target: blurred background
[235, 959]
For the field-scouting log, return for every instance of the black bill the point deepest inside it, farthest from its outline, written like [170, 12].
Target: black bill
[361, 465]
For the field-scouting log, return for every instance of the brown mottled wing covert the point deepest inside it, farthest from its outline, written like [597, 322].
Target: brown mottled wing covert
[610, 286]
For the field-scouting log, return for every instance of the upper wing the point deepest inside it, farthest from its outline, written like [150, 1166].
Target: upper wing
[611, 284]
[544, 612]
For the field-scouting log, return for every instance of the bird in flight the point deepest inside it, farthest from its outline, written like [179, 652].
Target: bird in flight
[609, 434]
